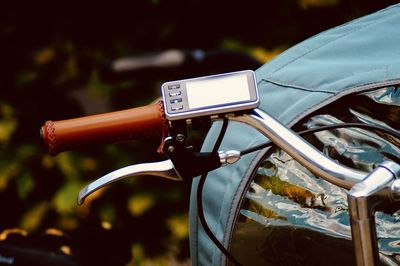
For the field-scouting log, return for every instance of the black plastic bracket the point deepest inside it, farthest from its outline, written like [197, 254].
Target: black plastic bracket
[188, 163]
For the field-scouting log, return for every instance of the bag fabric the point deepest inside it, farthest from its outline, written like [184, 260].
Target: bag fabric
[358, 56]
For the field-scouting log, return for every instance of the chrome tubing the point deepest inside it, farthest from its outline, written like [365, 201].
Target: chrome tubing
[364, 200]
[301, 150]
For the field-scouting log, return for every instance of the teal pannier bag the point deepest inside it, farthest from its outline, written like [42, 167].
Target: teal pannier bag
[267, 209]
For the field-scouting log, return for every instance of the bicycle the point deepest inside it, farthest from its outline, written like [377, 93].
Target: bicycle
[377, 190]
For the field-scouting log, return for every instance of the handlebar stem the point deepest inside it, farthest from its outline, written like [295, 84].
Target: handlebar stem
[365, 198]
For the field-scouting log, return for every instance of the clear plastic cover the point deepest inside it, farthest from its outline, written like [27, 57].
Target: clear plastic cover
[291, 217]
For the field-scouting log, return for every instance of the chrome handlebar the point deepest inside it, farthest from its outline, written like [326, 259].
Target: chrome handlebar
[302, 151]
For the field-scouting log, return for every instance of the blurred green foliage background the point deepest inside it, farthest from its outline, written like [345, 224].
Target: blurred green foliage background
[51, 56]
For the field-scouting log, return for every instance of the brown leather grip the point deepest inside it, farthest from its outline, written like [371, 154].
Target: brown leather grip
[109, 127]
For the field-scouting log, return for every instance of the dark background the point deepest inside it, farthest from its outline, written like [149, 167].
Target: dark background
[51, 60]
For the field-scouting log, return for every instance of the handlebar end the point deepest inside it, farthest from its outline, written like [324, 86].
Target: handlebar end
[47, 133]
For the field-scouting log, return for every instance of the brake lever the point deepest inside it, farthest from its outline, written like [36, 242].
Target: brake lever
[163, 169]
[166, 169]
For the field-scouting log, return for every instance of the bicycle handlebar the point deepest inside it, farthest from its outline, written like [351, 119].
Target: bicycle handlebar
[111, 127]
[368, 191]
[147, 120]
[174, 63]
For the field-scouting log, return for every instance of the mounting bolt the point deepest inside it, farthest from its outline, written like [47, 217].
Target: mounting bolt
[171, 149]
[180, 137]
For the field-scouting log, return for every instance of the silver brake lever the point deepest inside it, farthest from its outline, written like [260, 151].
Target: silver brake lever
[163, 169]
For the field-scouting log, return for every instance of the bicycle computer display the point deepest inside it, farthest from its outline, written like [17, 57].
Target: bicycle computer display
[210, 95]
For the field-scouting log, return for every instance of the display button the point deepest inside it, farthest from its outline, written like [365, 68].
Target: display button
[174, 94]
[177, 100]
[177, 108]
[174, 86]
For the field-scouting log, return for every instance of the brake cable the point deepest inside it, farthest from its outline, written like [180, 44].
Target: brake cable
[199, 195]
[389, 131]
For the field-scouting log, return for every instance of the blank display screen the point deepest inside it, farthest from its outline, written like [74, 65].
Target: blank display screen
[218, 91]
